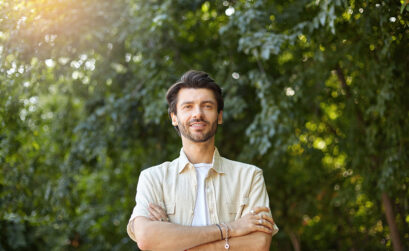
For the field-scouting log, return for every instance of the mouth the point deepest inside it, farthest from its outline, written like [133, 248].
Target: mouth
[198, 125]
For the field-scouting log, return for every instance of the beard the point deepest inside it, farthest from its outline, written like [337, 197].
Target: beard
[197, 137]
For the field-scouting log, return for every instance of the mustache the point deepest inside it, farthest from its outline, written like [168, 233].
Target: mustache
[197, 120]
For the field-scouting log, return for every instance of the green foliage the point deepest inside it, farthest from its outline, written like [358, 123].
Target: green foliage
[315, 94]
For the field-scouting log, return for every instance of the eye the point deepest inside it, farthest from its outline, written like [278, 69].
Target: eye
[187, 106]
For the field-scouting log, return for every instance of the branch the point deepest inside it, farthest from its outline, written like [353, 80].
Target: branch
[343, 83]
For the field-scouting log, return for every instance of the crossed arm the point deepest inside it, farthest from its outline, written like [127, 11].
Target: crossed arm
[252, 231]
[252, 241]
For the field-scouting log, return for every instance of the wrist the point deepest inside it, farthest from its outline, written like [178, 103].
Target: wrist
[221, 231]
[227, 245]
[232, 231]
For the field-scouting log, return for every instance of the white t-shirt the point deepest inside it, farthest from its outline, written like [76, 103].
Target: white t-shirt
[201, 213]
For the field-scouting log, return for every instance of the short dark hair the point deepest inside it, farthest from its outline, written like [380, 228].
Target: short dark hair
[193, 79]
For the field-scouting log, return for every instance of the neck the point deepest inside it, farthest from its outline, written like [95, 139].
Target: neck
[199, 152]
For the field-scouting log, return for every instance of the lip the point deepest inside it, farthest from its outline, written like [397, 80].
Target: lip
[198, 125]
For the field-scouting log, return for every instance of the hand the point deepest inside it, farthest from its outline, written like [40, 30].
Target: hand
[252, 222]
[156, 213]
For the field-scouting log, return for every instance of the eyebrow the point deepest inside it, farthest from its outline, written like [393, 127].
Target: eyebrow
[203, 102]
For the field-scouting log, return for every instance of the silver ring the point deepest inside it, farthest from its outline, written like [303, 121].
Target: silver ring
[260, 221]
[252, 211]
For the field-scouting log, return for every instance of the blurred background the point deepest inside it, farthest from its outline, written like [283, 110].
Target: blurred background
[316, 94]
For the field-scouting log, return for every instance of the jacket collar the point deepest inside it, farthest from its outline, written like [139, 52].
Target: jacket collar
[184, 162]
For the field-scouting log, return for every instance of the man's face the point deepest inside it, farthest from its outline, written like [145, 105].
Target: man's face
[197, 116]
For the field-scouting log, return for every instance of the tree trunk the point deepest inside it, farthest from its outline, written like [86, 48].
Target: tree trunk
[390, 218]
[295, 241]
[386, 202]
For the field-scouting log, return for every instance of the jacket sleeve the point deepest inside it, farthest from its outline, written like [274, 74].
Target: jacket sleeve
[149, 190]
[258, 196]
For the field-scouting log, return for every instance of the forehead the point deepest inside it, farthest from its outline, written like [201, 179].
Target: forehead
[195, 95]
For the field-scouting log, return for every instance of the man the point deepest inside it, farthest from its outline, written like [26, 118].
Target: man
[200, 201]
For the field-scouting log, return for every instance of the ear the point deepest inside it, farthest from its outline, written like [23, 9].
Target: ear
[174, 119]
[220, 118]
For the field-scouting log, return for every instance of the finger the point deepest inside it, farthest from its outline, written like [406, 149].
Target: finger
[159, 213]
[158, 210]
[268, 218]
[152, 217]
[155, 207]
[154, 213]
[258, 210]
[267, 224]
[261, 228]
[252, 216]
[261, 222]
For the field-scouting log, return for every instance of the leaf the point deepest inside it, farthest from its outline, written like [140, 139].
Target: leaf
[265, 52]
[402, 8]
[322, 17]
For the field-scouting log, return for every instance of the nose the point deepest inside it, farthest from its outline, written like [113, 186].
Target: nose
[197, 112]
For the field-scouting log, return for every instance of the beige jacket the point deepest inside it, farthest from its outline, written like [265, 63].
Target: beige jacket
[232, 190]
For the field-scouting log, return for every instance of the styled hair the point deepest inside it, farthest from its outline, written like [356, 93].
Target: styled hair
[193, 79]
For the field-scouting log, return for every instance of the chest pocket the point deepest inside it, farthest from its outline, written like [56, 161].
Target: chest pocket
[233, 211]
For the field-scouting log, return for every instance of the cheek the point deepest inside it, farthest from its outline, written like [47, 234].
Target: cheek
[182, 118]
[212, 116]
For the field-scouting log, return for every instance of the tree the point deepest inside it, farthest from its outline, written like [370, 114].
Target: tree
[315, 94]
[346, 67]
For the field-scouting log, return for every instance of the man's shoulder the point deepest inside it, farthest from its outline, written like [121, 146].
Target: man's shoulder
[239, 166]
[160, 168]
